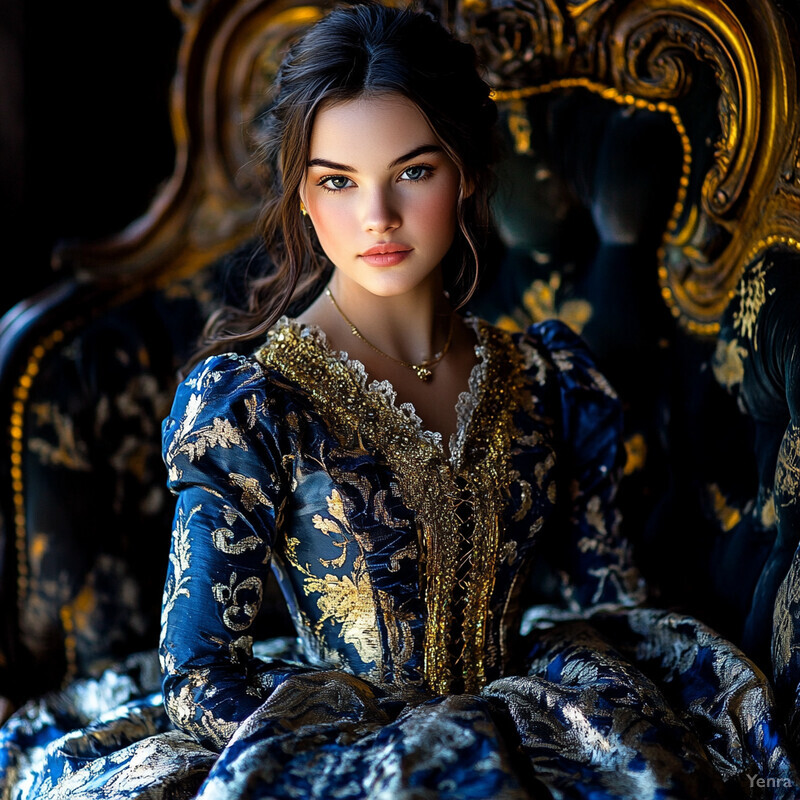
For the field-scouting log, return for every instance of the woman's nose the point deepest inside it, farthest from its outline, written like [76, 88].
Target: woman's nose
[380, 213]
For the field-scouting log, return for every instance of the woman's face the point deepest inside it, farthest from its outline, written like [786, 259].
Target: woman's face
[381, 194]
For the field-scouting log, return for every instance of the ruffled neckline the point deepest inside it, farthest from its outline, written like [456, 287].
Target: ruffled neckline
[384, 390]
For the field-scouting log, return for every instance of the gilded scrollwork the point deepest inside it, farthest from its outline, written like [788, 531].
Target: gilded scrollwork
[744, 191]
[657, 53]
[516, 42]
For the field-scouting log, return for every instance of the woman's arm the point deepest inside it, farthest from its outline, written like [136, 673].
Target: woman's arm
[592, 557]
[224, 466]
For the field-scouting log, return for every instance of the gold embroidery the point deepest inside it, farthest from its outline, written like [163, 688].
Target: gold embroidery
[252, 493]
[251, 404]
[787, 474]
[753, 295]
[240, 650]
[601, 382]
[784, 641]
[193, 441]
[228, 595]
[329, 526]
[532, 357]
[728, 363]
[179, 557]
[184, 709]
[544, 469]
[562, 359]
[223, 539]
[487, 475]
[428, 481]
[410, 551]
[346, 600]
[509, 552]
[727, 516]
[526, 500]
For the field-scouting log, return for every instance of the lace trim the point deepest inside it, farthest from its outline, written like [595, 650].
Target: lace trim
[465, 405]
[467, 402]
[432, 485]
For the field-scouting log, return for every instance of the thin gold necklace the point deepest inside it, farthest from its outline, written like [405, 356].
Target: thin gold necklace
[423, 369]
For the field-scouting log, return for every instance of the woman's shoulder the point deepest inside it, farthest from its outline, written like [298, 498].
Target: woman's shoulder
[210, 391]
[554, 339]
[219, 380]
[228, 373]
[552, 352]
[228, 386]
[226, 411]
[228, 370]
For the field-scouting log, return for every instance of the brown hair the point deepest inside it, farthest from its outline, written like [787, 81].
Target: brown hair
[364, 49]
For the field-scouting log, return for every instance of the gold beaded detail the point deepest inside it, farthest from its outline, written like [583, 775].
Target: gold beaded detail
[771, 241]
[16, 432]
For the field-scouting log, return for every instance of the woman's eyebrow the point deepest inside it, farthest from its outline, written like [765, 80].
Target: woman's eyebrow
[321, 162]
[417, 151]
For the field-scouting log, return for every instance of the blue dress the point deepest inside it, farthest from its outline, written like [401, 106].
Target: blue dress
[470, 623]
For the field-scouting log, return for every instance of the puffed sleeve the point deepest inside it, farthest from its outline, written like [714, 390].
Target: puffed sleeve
[224, 465]
[592, 559]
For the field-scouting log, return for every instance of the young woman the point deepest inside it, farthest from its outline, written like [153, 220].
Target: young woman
[415, 479]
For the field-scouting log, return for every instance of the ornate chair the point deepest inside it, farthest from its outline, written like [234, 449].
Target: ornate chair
[649, 196]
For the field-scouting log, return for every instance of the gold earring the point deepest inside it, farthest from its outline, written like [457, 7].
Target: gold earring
[303, 209]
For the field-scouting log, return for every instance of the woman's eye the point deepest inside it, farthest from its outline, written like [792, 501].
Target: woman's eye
[335, 183]
[416, 173]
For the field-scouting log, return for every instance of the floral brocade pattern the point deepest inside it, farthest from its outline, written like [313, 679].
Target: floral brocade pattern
[399, 563]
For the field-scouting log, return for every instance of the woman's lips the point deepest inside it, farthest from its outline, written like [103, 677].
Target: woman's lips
[385, 255]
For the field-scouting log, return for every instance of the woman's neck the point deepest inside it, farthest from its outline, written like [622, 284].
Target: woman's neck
[412, 327]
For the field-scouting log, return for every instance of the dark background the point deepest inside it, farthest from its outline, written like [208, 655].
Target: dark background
[85, 137]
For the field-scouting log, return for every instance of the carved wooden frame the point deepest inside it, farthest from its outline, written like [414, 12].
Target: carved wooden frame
[645, 53]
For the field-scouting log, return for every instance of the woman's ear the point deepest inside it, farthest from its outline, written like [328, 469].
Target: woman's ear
[467, 188]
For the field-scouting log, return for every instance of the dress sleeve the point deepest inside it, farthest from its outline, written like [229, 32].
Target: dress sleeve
[592, 559]
[224, 466]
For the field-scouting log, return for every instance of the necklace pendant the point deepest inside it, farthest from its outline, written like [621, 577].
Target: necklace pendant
[423, 373]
